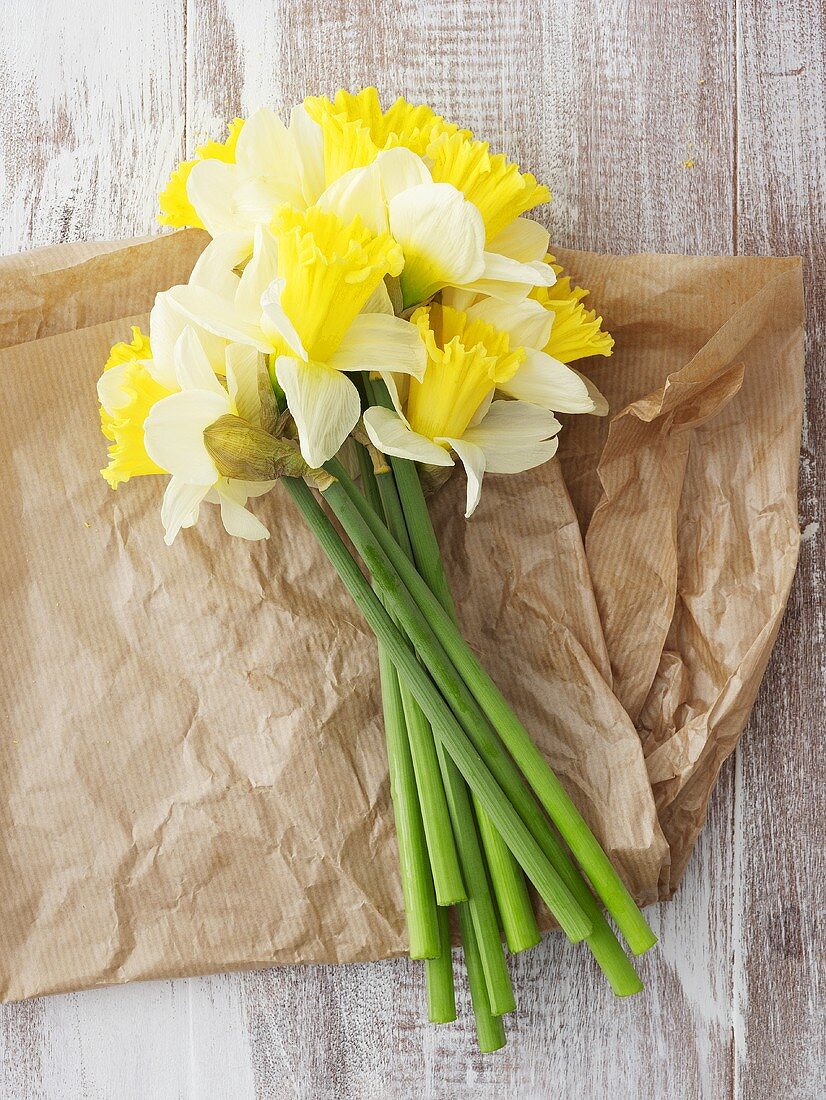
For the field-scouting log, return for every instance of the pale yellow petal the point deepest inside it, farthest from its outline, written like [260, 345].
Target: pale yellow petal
[442, 237]
[391, 435]
[324, 403]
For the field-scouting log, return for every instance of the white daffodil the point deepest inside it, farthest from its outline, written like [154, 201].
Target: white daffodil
[514, 265]
[301, 300]
[213, 269]
[174, 437]
[274, 164]
[452, 411]
[441, 233]
[540, 378]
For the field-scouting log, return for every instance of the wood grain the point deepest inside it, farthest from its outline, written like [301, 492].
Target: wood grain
[779, 838]
[692, 127]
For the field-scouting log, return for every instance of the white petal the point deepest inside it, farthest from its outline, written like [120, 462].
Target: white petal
[527, 323]
[474, 462]
[250, 488]
[325, 406]
[211, 187]
[181, 502]
[258, 274]
[357, 194]
[442, 236]
[243, 365]
[217, 315]
[236, 519]
[379, 301]
[398, 386]
[515, 436]
[166, 323]
[192, 367]
[378, 342]
[545, 381]
[601, 407]
[111, 393]
[523, 240]
[458, 298]
[165, 326]
[309, 141]
[266, 149]
[390, 434]
[214, 268]
[174, 434]
[256, 200]
[400, 169]
[278, 320]
[509, 279]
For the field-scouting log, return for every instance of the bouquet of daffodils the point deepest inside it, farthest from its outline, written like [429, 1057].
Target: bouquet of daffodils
[373, 306]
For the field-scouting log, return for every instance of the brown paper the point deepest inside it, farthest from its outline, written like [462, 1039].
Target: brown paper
[192, 762]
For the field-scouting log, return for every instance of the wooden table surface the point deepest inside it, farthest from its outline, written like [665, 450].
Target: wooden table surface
[687, 126]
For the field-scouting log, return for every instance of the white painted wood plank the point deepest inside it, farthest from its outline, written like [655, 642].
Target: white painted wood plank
[127, 1042]
[92, 98]
[780, 838]
[220, 1046]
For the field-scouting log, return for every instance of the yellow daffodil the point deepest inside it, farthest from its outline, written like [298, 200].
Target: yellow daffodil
[303, 299]
[174, 437]
[123, 352]
[356, 128]
[452, 410]
[271, 164]
[176, 207]
[139, 374]
[127, 391]
[541, 378]
[491, 182]
[441, 233]
[577, 332]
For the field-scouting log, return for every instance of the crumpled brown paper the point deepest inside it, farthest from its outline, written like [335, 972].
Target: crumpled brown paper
[192, 763]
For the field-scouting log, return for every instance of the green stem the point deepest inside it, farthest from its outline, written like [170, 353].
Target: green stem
[441, 997]
[490, 1032]
[535, 768]
[417, 884]
[512, 898]
[444, 860]
[603, 943]
[368, 480]
[445, 726]
[480, 901]
[409, 523]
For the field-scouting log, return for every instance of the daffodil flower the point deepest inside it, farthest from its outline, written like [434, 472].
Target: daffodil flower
[452, 410]
[127, 390]
[301, 300]
[176, 208]
[139, 374]
[166, 323]
[441, 232]
[273, 164]
[372, 129]
[491, 182]
[174, 438]
[577, 332]
[541, 378]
